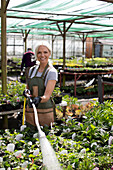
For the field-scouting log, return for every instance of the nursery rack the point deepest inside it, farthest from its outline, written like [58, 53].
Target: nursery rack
[75, 74]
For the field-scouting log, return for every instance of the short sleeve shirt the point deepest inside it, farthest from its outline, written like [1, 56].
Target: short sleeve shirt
[51, 75]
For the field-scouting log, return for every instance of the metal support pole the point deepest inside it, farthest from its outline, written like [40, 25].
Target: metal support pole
[100, 89]
[3, 47]
[3, 55]
[75, 86]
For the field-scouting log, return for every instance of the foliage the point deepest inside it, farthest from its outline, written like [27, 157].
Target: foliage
[14, 93]
[56, 92]
[79, 144]
[87, 61]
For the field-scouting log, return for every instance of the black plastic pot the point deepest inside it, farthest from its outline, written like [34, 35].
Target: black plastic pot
[7, 107]
[17, 106]
[1, 108]
[58, 99]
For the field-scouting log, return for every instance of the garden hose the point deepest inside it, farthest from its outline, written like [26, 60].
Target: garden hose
[50, 160]
[24, 111]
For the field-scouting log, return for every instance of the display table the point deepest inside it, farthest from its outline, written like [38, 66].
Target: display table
[4, 115]
[77, 76]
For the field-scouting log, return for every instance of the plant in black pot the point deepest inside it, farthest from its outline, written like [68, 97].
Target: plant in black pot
[57, 96]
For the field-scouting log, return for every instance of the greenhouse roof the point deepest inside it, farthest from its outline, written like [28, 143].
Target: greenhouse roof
[92, 18]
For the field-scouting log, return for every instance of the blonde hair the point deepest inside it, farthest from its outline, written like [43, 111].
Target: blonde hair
[45, 43]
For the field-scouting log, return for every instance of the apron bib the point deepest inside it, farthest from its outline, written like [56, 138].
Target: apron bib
[45, 110]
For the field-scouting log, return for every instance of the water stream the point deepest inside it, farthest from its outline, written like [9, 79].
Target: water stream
[50, 160]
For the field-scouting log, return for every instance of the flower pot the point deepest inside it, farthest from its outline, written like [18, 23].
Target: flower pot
[17, 106]
[1, 109]
[9, 107]
[6, 107]
[58, 99]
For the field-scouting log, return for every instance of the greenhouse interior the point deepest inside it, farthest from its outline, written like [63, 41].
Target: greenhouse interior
[76, 50]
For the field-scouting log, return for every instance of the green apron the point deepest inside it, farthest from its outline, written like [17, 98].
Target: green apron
[45, 110]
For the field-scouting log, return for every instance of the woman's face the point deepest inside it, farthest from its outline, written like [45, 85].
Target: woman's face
[43, 54]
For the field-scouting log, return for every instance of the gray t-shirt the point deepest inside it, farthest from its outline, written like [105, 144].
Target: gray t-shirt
[51, 75]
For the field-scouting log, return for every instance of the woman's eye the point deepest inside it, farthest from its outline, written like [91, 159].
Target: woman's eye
[45, 52]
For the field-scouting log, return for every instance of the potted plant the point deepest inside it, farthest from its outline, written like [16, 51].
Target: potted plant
[56, 95]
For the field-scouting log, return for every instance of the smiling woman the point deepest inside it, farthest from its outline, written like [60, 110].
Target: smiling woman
[41, 83]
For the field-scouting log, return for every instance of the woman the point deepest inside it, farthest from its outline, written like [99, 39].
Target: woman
[41, 83]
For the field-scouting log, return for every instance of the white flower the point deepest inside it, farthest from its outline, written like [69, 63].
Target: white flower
[102, 131]
[64, 152]
[64, 103]
[96, 168]
[19, 137]
[112, 128]
[68, 130]
[74, 143]
[79, 123]
[64, 130]
[83, 151]
[69, 118]
[7, 131]
[1, 159]
[93, 144]
[94, 123]
[24, 165]
[2, 168]
[29, 143]
[85, 139]
[9, 168]
[10, 147]
[110, 140]
[73, 136]
[18, 154]
[36, 152]
[22, 127]
[35, 135]
[73, 165]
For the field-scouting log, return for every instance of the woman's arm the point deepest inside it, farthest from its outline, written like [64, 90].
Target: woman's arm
[48, 91]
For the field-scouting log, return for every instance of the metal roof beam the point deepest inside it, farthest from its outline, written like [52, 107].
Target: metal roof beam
[7, 2]
[111, 1]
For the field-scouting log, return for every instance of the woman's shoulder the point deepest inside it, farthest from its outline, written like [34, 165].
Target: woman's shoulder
[52, 69]
[33, 69]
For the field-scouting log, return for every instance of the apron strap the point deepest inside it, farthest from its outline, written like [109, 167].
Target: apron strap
[36, 71]
[46, 74]
[44, 70]
[32, 70]
[42, 76]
